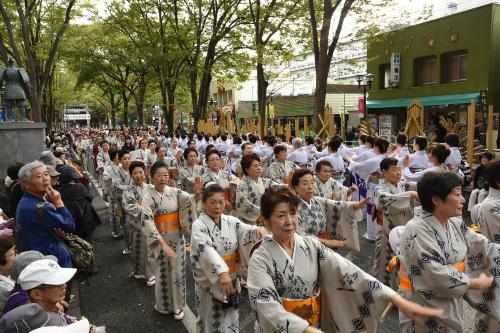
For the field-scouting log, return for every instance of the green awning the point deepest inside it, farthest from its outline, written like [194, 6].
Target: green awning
[425, 100]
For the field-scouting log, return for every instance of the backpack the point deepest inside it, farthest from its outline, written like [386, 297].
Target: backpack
[82, 253]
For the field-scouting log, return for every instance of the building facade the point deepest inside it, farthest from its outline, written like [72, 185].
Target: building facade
[444, 63]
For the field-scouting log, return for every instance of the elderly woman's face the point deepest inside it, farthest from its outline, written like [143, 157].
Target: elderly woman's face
[9, 258]
[254, 171]
[214, 205]
[283, 221]
[305, 189]
[452, 206]
[40, 180]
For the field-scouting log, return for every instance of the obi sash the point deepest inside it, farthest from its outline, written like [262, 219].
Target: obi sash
[308, 308]
[168, 222]
[231, 261]
[374, 178]
[227, 195]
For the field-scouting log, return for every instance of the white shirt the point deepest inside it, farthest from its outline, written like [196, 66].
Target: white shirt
[336, 161]
[455, 157]
[299, 155]
[418, 160]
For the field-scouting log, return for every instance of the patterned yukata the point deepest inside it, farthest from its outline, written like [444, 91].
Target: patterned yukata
[489, 222]
[351, 299]
[279, 172]
[168, 215]
[171, 162]
[216, 249]
[395, 204]
[434, 258]
[329, 219]
[120, 183]
[102, 160]
[172, 152]
[140, 155]
[248, 196]
[110, 173]
[133, 199]
[221, 178]
[330, 189]
[187, 176]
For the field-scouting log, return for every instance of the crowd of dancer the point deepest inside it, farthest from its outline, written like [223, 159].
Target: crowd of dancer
[277, 215]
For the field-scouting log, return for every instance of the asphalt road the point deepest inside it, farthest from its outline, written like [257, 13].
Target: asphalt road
[125, 305]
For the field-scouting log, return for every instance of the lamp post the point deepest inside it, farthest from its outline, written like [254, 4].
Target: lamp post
[365, 80]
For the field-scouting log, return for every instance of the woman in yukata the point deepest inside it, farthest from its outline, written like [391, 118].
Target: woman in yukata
[334, 223]
[219, 243]
[446, 261]
[295, 284]
[214, 174]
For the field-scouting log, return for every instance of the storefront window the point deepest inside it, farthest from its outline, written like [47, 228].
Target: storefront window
[425, 71]
[455, 66]
[385, 76]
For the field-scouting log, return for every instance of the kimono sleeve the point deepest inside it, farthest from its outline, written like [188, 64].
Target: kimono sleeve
[364, 298]
[130, 205]
[204, 253]
[413, 176]
[148, 227]
[264, 298]
[391, 203]
[426, 265]
[483, 256]
[187, 211]
[339, 192]
[489, 212]
[247, 237]
[244, 205]
[341, 222]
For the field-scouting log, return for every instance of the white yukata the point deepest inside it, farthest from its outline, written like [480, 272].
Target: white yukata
[120, 183]
[475, 199]
[187, 176]
[110, 173]
[366, 176]
[400, 152]
[440, 261]
[140, 155]
[172, 152]
[338, 166]
[279, 172]
[455, 158]
[133, 199]
[489, 223]
[396, 207]
[366, 155]
[331, 189]
[351, 299]
[248, 196]
[102, 160]
[416, 176]
[329, 219]
[222, 178]
[215, 249]
[168, 215]
[418, 161]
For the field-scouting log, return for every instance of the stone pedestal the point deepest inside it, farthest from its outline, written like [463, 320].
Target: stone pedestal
[20, 141]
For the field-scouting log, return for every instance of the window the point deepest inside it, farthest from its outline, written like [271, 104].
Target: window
[385, 76]
[455, 66]
[425, 71]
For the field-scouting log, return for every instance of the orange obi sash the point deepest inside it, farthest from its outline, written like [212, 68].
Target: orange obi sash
[168, 222]
[475, 228]
[308, 308]
[260, 219]
[405, 283]
[286, 181]
[227, 195]
[231, 261]
[322, 235]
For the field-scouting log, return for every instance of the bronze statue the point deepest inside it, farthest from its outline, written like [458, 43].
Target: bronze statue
[18, 82]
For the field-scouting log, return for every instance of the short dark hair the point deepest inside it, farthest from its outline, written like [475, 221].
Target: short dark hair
[123, 153]
[323, 163]
[387, 162]
[157, 165]
[382, 145]
[271, 141]
[421, 141]
[152, 140]
[246, 161]
[452, 139]
[103, 142]
[436, 184]
[362, 138]
[136, 164]
[236, 140]
[158, 147]
[440, 152]
[299, 174]
[187, 151]
[334, 144]
[13, 170]
[275, 195]
[191, 141]
[211, 152]
[488, 155]
[112, 154]
[243, 146]
[278, 149]
[211, 189]
[209, 147]
[370, 140]
[401, 139]
[6, 243]
[309, 140]
[492, 172]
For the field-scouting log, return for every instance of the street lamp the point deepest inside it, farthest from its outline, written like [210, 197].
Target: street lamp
[365, 80]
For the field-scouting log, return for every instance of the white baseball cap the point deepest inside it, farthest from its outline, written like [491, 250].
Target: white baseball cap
[81, 326]
[44, 271]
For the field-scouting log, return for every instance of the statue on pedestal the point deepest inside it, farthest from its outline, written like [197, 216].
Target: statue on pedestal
[17, 83]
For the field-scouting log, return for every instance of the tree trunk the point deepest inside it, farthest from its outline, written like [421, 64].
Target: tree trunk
[113, 112]
[203, 94]
[51, 111]
[125, 107]
[320, 95]
[171, 108]
[194, 98]
[261, 96]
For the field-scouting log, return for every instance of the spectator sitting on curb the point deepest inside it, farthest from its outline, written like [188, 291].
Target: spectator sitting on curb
[35, 231]
[18, 296]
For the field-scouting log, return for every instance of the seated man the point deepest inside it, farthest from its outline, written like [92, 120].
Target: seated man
[40, 213]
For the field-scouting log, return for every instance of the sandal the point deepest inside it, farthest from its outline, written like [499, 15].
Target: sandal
[151, 281]
[178, 314]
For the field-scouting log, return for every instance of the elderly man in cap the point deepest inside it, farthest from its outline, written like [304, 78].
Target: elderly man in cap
[41, 213]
